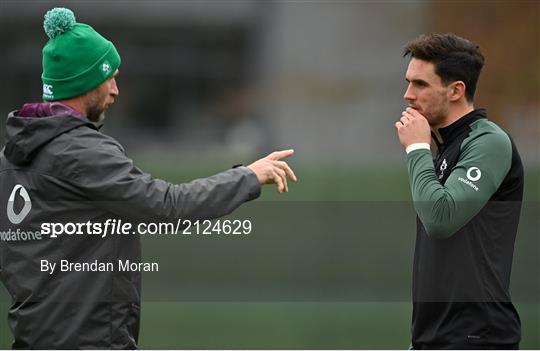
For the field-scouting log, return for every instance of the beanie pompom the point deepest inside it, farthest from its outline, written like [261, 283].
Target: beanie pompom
[58, 21]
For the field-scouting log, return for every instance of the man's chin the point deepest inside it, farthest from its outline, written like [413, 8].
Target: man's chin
[96, 118]
[101, 117]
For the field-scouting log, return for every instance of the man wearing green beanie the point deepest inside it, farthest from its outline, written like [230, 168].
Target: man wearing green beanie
[76, 59]
[58, 168]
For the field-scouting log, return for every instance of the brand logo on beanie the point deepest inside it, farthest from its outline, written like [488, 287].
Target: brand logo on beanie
[48, 91]
[106, 68]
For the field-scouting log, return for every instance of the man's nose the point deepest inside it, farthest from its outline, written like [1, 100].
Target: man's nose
[114, 88]
[408, 94]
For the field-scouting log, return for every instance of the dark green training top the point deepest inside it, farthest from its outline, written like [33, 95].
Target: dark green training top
[468, 202]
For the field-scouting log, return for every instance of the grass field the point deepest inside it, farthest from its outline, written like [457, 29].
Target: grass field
[280, 325]
[311, 278]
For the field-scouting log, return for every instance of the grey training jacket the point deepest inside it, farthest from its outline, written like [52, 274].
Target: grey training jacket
[62, 169]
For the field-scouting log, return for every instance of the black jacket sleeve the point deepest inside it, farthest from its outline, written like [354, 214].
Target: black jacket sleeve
[109, 177]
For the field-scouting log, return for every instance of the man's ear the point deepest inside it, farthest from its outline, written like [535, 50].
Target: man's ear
[457, 90]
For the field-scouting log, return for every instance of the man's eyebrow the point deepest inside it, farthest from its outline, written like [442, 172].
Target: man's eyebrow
[417, 81]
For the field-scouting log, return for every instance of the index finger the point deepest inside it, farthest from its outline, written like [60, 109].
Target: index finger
[414, 113]
[278, 155]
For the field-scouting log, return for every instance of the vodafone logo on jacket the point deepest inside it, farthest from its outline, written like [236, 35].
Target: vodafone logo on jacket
[474, 174]
[17, 218]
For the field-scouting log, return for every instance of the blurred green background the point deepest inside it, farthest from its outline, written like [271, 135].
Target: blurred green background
[312, 275]
[366, 307]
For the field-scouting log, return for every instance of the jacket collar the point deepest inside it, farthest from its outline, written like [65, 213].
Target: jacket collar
[453, 130]
[46, 109]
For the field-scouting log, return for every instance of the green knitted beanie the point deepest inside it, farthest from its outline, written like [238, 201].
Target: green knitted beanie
[76, 59]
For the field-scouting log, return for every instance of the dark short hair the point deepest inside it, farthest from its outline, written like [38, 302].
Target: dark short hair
[455, 58]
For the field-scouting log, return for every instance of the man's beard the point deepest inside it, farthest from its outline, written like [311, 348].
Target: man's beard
[438, 115]
[95, 114]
